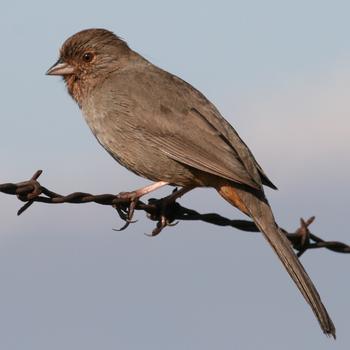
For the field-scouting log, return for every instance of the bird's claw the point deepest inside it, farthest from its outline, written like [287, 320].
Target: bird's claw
[125, 205]
[125, 226]
[162, 210]
[161, 224]
[163, 214]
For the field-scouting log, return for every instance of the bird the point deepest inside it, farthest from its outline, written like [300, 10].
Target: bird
[162, 128]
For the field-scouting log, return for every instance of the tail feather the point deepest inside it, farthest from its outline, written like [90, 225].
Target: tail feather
[259, 210]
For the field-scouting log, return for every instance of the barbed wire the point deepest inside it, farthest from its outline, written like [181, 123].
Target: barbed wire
[164, 212]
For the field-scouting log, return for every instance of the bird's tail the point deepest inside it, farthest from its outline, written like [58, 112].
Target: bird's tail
[259, 210]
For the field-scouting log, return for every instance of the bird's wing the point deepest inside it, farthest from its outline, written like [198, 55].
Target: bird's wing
[184, 125]
[208, 112]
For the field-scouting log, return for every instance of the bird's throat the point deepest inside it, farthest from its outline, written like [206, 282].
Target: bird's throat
[75, 87]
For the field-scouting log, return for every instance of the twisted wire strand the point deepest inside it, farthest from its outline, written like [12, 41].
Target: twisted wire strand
[32, 191]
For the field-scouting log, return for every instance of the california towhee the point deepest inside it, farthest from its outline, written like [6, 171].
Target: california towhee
[162, 128]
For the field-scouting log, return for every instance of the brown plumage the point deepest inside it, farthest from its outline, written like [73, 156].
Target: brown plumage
[162, 128]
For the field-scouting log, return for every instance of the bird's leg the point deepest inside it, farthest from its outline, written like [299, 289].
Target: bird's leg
[177, 194]
[141, 191]
[165, 208]
[133, 196]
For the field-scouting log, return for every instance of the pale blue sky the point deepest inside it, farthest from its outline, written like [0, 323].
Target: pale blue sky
[280, 73]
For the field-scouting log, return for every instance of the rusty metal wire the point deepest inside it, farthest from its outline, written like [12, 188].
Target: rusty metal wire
[164, 212]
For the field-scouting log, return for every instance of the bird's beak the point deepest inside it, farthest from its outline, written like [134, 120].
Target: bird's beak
[60, 68]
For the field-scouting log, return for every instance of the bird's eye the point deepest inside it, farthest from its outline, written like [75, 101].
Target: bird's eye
[88, 56]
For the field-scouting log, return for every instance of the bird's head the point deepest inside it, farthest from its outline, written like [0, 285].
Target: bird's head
[88, 57]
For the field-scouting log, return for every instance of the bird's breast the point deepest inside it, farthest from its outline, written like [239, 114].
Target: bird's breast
[111, 132]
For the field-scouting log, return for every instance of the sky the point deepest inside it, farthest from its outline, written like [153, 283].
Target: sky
[279, 71]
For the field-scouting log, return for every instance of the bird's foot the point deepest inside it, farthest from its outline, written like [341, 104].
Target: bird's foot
[165, 210]
[161, 210]
[126, 202]
[125, 205]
